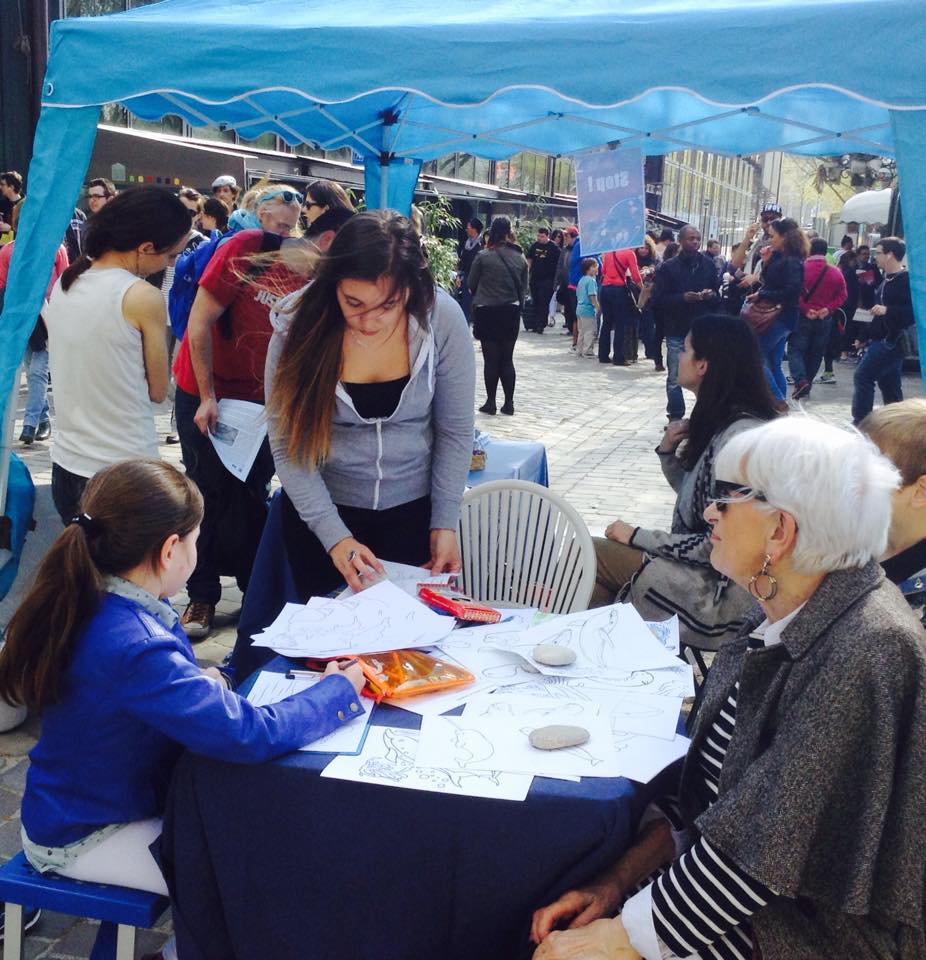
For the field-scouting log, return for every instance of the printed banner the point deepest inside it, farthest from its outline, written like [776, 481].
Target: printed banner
[612, 206]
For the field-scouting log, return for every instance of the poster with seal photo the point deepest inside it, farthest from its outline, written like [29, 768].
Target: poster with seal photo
[611, 201]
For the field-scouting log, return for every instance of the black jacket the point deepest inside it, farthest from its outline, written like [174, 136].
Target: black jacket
[674, 279]
[782, 280]
[894, 293]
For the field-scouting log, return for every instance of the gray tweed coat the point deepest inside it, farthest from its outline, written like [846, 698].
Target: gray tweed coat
[823, 789]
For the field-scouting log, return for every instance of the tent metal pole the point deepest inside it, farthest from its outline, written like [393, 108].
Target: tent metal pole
[383, 184]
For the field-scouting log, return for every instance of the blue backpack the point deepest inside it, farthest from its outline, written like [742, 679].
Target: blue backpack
[189, 267]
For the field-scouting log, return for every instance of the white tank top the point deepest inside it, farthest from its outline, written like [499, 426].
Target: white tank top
[102, 410]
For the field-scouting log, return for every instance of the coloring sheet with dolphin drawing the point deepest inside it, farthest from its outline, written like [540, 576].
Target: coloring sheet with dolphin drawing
[677, 681]
[500, 742]
[381, 618]
[390, 759]
[606, 641]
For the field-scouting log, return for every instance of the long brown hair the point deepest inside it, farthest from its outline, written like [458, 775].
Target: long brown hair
[796, 243]
[369, 246]
[128, 511]
[136, 216]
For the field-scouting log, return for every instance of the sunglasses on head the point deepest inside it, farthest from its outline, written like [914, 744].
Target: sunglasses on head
[287, 196]
[723, 493]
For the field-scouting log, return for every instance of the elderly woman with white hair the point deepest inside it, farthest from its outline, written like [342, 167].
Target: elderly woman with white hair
[222, 357]
[797, 830]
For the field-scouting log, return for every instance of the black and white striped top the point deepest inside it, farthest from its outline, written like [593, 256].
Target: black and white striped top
[702, 903]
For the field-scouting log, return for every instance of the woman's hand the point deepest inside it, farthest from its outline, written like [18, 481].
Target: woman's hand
[354, 674]
[445, 552]
[576, 909]
[619, 531]
[674, 434]
[354, 562]
[601, 940]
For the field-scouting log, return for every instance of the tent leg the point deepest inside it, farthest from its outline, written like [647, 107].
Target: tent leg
[6, 441]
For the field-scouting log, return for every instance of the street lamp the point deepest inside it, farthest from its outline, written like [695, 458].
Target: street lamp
[706, 203]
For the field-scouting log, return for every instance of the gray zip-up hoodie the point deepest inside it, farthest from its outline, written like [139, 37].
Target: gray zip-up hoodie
[424, 448]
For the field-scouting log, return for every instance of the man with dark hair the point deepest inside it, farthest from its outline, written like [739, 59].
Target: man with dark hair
[823, 292]
[225, 188]
[891, 314]
[685, 287]
[11, 186]
[846, 245]
[543, 259]
[99, 192]
[468, 251]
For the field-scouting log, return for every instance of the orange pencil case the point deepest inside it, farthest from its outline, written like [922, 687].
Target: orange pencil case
[408, 673]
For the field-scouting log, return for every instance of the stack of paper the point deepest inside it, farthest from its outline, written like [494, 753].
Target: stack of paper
[381, 618]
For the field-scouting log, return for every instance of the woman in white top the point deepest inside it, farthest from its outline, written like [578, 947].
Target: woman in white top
[106, 326]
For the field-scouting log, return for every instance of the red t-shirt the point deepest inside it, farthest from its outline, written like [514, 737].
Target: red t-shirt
[238, 362]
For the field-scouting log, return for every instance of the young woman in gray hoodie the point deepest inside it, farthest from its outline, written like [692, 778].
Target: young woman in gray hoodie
[370, 380]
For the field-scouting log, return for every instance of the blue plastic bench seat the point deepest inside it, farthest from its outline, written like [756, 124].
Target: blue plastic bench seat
[120, 909]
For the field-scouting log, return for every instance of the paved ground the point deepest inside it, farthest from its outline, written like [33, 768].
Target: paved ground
[600, 425]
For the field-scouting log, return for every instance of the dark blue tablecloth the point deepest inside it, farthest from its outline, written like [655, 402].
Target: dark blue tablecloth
[276, 863]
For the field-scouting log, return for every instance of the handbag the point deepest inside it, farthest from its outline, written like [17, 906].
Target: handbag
[760, 314]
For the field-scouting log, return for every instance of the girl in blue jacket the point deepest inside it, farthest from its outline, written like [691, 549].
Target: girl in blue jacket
[97, 649]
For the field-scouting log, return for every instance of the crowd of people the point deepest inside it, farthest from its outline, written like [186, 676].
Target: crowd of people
[780, 278]
[785, 537]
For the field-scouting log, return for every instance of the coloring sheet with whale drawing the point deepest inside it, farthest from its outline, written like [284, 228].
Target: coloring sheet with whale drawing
[501, 743]
[606, 641]
[381, 618]
[390, 759]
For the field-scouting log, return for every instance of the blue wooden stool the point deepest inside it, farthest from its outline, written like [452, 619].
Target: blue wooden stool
[119, 909]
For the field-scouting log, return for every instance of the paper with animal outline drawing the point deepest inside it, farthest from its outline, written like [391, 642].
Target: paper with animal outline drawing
[676, 681]
[389, 758]
[501, 742]
[642, 758]
[606, 640]
[239, 432]
[630, 712]
[272, 687]
[372, 621]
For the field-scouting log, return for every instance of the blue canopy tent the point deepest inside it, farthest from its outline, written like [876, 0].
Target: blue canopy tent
[408, 81]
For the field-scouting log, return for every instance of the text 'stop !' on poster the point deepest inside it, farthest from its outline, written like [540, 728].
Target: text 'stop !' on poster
[612, 204]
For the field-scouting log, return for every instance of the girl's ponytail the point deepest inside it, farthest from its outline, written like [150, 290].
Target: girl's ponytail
[129, 510]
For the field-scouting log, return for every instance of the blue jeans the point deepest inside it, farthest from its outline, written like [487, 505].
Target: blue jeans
[808, 344]
[881, 364]
[675, 407]
[36, 362]
[772, 348]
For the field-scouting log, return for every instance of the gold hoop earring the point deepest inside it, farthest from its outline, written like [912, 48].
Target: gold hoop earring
[772, 582]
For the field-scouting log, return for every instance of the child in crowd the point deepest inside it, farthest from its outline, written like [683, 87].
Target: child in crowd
[95, 646]
[587, 308]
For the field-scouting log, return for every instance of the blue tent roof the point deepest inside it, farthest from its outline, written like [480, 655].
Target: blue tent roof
[494, 77]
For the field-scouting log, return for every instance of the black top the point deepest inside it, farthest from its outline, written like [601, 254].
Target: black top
[544, 259]
[906, 563]
[676, 277]
[376, 400]
[894, 293]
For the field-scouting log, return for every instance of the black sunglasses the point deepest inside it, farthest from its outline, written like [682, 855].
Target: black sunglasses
[723, 493]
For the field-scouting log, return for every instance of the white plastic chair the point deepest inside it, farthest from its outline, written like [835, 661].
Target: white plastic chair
[525, 546]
